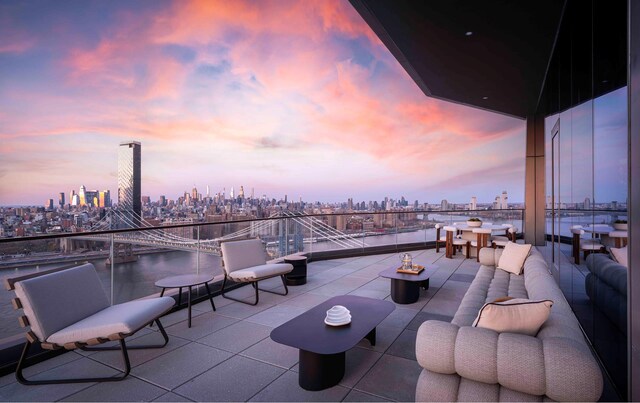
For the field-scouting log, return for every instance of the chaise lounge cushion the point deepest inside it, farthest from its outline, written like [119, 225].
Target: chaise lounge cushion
[50, 301]
[124, 318]
[261, 271]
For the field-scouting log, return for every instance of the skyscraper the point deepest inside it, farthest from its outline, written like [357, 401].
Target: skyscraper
[82, 195]
[474, 203]
[504, 200]
[61, 199]
[129, 182]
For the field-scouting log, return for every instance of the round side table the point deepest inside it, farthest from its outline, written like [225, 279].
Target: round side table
[186, 281]
[297, 276]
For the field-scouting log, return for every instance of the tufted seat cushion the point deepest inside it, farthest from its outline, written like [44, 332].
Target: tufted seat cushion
[465, 363]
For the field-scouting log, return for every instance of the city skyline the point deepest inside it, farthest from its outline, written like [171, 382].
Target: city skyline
[295, 97]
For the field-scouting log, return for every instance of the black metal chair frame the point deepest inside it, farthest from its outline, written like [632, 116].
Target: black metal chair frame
[254, 284]
[122, 347]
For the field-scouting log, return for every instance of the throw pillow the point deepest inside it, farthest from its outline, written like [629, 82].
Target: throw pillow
[620, 256]
[513, 257]
[518, 315]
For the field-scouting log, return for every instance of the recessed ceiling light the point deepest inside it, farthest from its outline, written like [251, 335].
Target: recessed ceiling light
[485, 97]
[468, 33]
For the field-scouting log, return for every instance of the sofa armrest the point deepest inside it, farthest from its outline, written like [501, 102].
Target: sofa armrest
[559, 368]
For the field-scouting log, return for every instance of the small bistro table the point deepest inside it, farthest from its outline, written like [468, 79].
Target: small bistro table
[297, 276]
[405, 288]
[187, 281]
[322, 347]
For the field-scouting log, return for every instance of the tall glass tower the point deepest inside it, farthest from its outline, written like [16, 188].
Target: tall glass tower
[129, 179]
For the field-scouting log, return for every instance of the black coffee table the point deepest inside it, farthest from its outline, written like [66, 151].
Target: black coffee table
[405, 288]
[322, 347]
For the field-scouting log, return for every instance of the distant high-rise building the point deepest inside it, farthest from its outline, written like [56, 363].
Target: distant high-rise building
[104, 198]
[231, 193]
[75, 199]
[207, 191]
[474, 203]
[496, 203]
[71, 194]
[504, 200]
[129, 181]
[163, 200]
[48, 205]
[614, 205]
[252, 194]
[194, 193]
[444, 205]
[83, 196]
[61, 199]
[350, 204]
[587, 203]
[241, 192]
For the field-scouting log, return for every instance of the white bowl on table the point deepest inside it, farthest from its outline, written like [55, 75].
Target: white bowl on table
[474, 223]
[338, 316]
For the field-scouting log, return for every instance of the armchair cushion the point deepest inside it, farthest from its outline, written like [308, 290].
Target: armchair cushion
[262, 271]
[124, 318]
[54, 301]
[238, 255]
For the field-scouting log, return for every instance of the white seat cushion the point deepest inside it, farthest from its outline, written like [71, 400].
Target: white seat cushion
[122, 318]
[500, 242]
[262, 271]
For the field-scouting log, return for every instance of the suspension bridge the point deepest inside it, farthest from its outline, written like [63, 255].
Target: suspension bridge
[168, 238]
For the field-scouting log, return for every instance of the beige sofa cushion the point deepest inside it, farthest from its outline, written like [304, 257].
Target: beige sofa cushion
[513, 257]
[517, 315]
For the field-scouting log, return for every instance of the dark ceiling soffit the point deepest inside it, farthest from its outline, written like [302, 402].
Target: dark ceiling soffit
[553, 50]
[373, 22]
[369, 17]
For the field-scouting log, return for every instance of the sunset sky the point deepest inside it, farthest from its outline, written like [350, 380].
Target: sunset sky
[287, 97]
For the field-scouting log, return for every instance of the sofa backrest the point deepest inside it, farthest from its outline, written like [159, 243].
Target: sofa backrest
[54, 301]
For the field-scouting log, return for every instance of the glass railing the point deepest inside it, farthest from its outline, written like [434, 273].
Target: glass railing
[130, 261]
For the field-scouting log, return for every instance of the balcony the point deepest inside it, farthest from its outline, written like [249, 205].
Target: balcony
[203, 362]
[228, 355]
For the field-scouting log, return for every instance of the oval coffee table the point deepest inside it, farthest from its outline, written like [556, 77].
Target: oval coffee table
[405, 288]
[187, 281]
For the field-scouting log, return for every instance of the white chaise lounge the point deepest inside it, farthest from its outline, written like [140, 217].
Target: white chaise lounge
[69, 309]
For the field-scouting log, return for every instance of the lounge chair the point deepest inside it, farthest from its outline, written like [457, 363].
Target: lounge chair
[69, 309]
[246, 262]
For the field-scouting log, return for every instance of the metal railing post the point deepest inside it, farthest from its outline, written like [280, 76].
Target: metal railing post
[198, 251]
[111, 257]
[311, 240]
[363, 234]
[395, 221]
[286, 237]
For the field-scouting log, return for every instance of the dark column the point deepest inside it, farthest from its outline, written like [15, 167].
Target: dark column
[633, 291]
[534, 191]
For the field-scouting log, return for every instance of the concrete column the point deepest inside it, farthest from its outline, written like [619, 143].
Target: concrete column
[534, 192]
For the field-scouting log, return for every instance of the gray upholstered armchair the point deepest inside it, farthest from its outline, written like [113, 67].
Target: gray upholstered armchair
[69, 309]
[246, 262]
